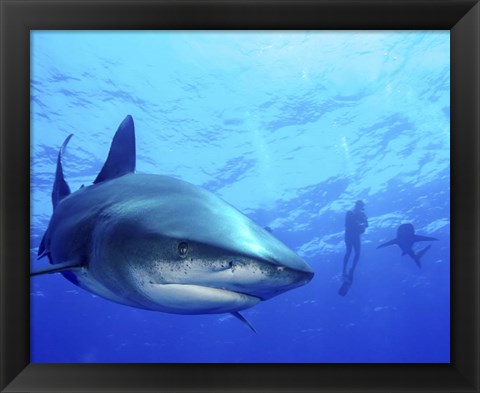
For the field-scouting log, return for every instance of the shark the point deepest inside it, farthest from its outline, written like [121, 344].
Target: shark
[406, 238]
[160, 243]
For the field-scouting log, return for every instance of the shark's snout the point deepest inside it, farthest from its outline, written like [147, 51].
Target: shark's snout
[306, 277]
[261, 279]
[286, 280]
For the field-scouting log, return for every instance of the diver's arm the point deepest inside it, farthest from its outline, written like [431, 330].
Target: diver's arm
[364, 221]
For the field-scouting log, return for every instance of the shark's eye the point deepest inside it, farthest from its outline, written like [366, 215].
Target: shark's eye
[183, 249]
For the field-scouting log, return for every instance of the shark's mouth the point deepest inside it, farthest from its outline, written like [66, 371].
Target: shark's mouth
[218, 294]
[197, 299]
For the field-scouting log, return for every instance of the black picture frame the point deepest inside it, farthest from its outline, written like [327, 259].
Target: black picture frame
[18, 17]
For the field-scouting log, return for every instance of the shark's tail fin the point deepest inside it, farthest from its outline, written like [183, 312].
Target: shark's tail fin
[60, 191]
[420, 254]
[60, 186]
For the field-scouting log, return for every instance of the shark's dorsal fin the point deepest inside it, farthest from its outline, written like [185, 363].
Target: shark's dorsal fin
[59, 267]
[121, 157]
[236, 314]
[60, 186]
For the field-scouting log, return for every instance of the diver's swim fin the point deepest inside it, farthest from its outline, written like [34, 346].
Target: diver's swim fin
[58, 267]
[344, 288]
[347, 283]
[236, 314]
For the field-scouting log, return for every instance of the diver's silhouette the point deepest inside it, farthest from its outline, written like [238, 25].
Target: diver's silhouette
[405, 239]
[355, 224]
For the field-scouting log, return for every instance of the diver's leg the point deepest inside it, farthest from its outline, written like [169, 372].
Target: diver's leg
[356, 256]
[348, 244]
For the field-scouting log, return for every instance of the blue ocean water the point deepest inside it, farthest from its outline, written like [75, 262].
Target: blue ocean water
[289, 127]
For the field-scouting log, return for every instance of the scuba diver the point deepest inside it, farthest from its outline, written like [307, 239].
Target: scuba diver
[355, 224]
[405, 239]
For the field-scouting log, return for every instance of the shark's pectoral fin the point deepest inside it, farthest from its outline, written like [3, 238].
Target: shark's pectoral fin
[236, 314]
[389, 243]
[121, 157]
[59, 267]
[419, 238]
